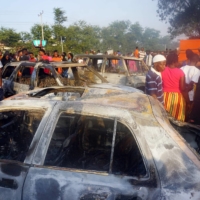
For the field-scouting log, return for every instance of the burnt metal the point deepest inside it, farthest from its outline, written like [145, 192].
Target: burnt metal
[113, 146]
[16, 83]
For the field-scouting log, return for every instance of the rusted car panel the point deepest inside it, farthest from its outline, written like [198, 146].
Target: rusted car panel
[22, 79]
[65, 93]
[122, 70]
[139, 156]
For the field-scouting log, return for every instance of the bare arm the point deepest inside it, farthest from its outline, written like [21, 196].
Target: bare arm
[183, 89]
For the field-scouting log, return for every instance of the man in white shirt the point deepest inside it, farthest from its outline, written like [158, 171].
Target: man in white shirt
[192, 75]
[142, 53]
[148, 59]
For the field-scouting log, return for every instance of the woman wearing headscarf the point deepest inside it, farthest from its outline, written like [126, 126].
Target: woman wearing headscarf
[175, 94]
[6, 59]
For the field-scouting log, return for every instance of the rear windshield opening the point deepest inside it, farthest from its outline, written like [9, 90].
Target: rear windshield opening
[115, 66]
[63, 94]
[45, 78]
[134, 66]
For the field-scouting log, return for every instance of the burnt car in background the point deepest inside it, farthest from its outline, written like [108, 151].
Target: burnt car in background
[124, 70]
[104, 144]
[24, 76]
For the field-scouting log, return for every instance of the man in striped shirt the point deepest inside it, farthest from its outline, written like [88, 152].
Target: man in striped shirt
[154, 86]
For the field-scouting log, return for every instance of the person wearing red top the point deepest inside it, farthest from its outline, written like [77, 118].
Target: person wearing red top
[174, 88]
[44, 57]
[31, 59]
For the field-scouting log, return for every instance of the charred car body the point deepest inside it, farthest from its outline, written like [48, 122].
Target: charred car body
[105, 143]
[24, 76]
[124, 70]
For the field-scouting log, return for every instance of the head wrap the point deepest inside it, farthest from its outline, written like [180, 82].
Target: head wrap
[159, 58]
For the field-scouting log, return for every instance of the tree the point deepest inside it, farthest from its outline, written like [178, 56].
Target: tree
[151, 39]
[59, 16]
[81, 37]
[114, 36]
[37, 33]
[25, 36]
[182, 15]
[9, 37]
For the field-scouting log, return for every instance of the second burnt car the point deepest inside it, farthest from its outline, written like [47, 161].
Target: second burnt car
[124, 70]
[107, 143]
[23, 76]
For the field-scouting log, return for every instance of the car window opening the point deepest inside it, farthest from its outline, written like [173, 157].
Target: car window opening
[45, 78]
[89, 143]
[190, 134]
[8, 71]
[96, 64]
[115, 66]
[133, 66]
[17, 129]
[24, 75]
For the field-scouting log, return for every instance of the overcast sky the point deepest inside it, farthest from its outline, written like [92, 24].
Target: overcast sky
[21, 15]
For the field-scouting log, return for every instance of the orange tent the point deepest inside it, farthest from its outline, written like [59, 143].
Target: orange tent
[193, 44]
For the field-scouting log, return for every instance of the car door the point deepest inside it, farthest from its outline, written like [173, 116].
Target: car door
[18, 133]
[82, 156]
[7, 78]
[20, 79]
[115, 71]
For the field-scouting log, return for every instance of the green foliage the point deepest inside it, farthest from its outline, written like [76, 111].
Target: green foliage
[59, 16]
[25, 36]
[36, 32]
[124, 36]
[80, 36]
[182, 15]
[9, 37]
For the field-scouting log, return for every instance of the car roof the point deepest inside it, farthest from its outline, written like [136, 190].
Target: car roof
[67, 64]
[62, 64]
[25, 63]
[107, 94]
[108, 56]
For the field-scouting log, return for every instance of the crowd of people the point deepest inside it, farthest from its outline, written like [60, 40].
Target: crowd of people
[174, 84]
[25, 55]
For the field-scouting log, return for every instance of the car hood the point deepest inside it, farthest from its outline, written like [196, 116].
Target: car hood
[115, 87]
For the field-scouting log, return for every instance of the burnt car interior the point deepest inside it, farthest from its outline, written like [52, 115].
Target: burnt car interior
[115, 66]
[133, 66]
[96, 63]
[45, 78]
[8, 71]
[79, 77]
[191, 134]
[17, 129]
[94, 143]
[65, 94]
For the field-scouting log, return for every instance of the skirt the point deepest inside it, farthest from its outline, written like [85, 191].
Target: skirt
[174, 103]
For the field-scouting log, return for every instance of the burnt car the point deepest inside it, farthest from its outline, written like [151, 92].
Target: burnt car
[104, 144]
[23, 76]
[65, 93]
[124, 70]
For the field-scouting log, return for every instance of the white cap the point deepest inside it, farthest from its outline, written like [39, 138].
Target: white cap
[159, 58]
